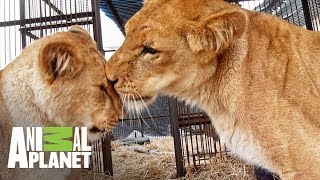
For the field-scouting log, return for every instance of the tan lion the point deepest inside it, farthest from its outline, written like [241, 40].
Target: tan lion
[255, 75]
[59, 80]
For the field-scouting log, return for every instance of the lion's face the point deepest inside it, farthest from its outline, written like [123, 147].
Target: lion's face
[72, 88]
[170, 46]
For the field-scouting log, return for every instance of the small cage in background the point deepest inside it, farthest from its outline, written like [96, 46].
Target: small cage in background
[199, 140]
[153, 123]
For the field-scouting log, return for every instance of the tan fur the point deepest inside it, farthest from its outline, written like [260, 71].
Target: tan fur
[59, 80]
[255, 75]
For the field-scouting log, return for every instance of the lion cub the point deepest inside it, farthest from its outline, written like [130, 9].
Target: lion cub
[59, 80]
[255, 75]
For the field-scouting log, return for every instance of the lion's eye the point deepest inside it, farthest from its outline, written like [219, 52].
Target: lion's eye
[148, 50]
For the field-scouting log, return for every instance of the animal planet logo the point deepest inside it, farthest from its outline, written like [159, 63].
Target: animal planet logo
[62, 152]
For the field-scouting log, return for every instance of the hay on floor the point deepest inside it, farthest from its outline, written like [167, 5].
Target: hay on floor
[129, 164]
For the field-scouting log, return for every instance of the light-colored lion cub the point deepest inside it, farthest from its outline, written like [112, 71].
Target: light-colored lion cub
[255, 75]
[59, 80]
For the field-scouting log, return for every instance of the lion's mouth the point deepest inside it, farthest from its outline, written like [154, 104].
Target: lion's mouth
[94, 134]
[96, 130]
[136, 104]
[143, 98]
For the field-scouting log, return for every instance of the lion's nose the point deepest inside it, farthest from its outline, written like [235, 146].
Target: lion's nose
[95, 129]
[112, 77]
[110, 73]
[114, 82]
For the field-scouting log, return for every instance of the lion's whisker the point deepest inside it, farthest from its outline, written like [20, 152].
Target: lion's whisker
[146, 107]
[128, 108]
[122, 111]
[140, 113]
[135, 106]
[132, 108]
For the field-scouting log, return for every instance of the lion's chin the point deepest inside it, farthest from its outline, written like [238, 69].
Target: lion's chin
[94, 136]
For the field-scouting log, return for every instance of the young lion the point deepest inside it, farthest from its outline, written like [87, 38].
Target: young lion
[255, 75]
[59, 80]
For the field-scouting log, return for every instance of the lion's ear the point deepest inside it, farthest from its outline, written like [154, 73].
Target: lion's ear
[59, 60]
[215, 32]
[145, 1]
[79, 30]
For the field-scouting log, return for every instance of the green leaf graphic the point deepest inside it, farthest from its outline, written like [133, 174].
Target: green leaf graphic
[56, 136]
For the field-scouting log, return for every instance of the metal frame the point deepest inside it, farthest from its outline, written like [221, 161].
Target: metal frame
[53, 7]
[173, 111]
[23, 22]
[116, 15]
[307, 14]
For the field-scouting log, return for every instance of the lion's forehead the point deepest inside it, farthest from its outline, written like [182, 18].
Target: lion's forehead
[151, 16]
[171, 14]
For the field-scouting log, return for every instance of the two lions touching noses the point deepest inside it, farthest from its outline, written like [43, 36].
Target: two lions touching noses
[255, 75]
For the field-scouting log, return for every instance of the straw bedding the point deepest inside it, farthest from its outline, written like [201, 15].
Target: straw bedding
[129, 164]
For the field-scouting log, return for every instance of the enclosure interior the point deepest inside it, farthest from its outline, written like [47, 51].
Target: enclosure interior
[24, 21]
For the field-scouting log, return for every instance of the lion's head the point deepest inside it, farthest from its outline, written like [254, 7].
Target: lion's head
[171, 46]
[70, 84]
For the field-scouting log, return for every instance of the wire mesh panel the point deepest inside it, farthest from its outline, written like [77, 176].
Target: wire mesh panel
[153, 123]
[304, 13]
[24, 21]
[10, 35]
[314, 6]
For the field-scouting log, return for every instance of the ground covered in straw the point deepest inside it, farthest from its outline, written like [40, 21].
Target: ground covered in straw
[129, 164]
